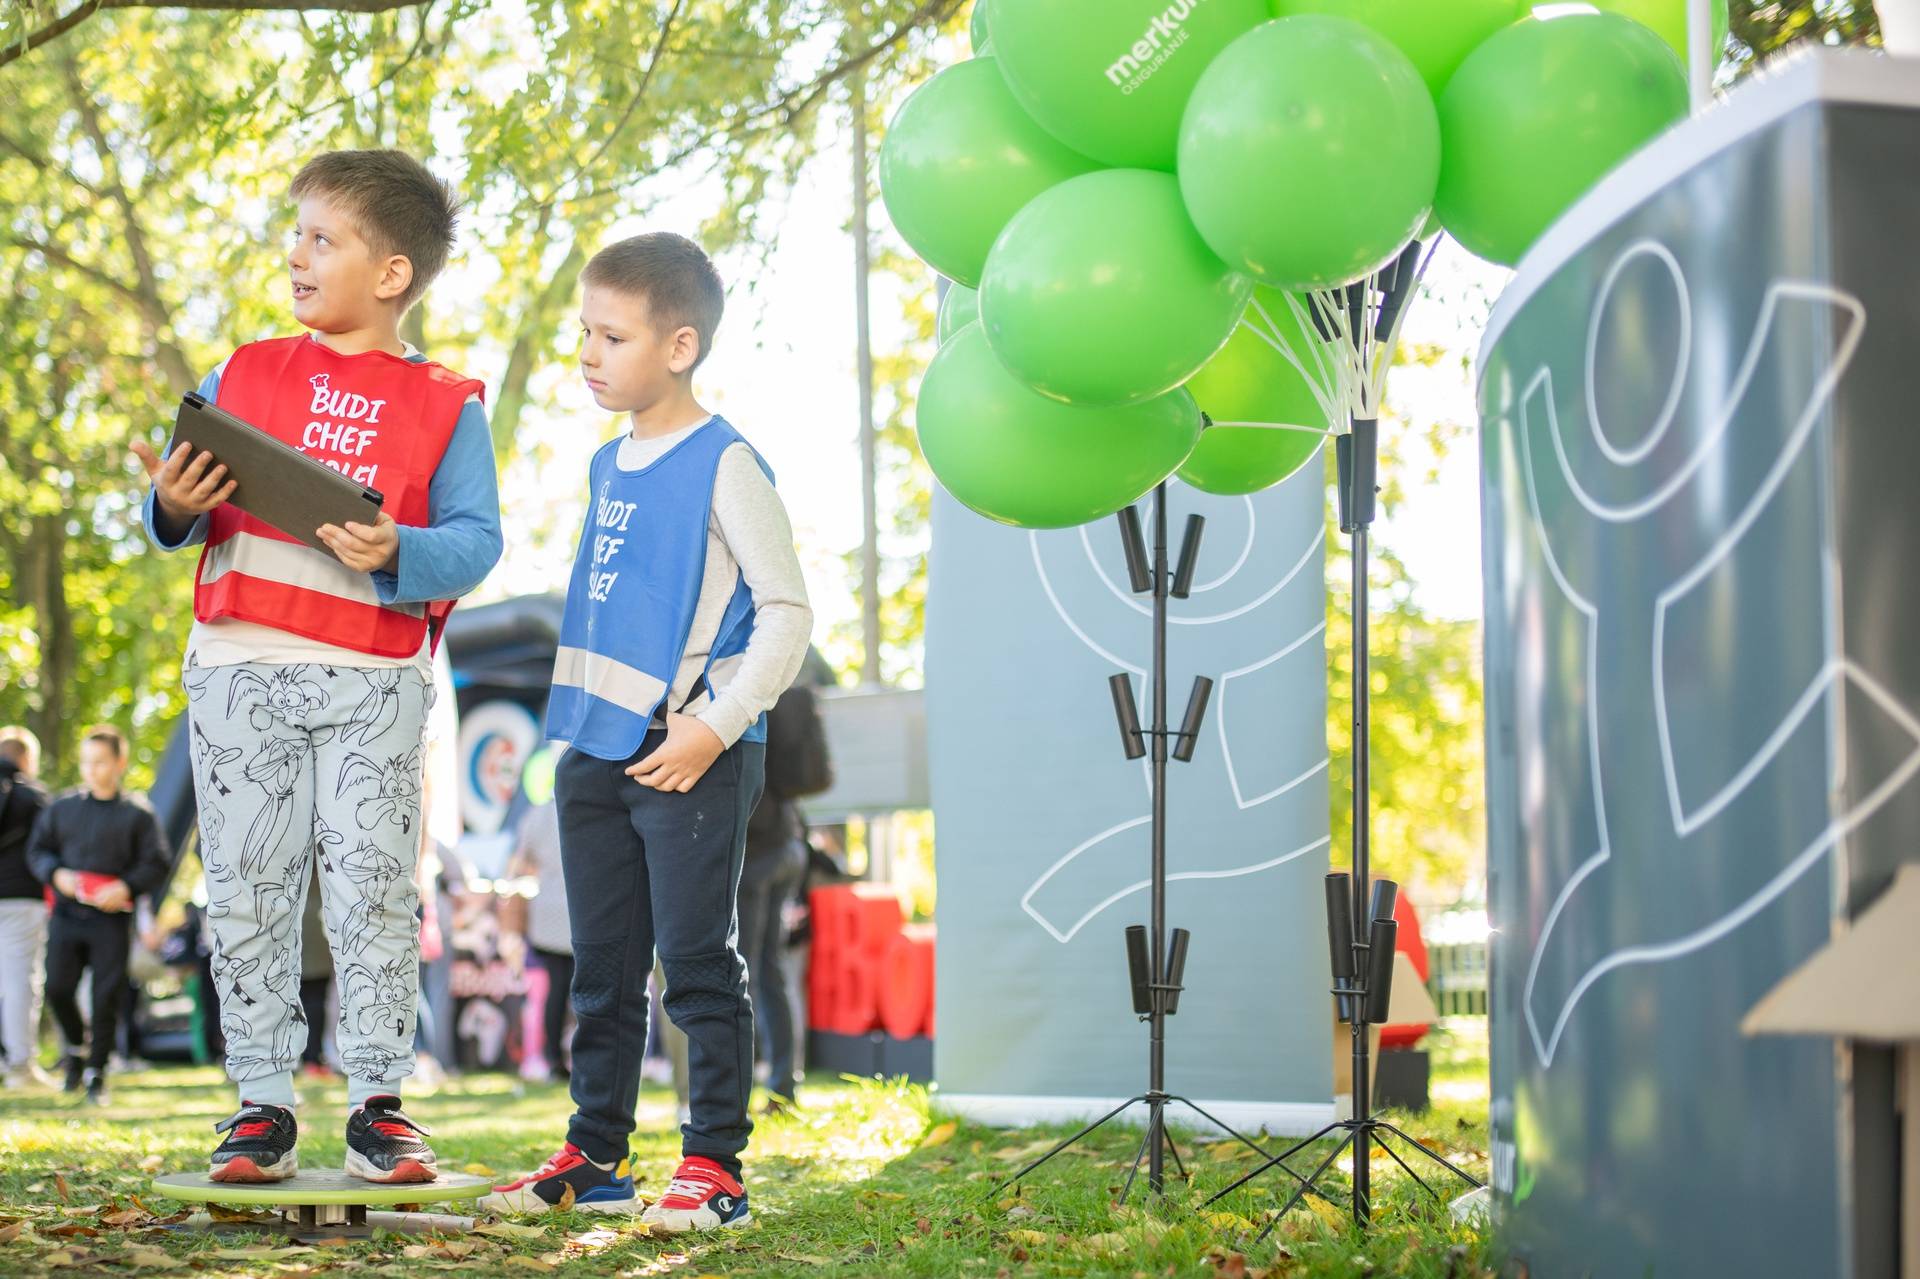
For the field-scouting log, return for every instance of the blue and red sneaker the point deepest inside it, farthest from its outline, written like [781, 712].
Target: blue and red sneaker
[596, 1187]
[702, 1196]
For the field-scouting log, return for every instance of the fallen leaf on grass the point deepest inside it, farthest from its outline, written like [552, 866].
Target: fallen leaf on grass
[60, 1187]
[479, 1170]
[447, 1250]
[507, 1230]
[529, 1263]
[126, 1217]
[566, 1198]
[1032, 1238]
[151, 1259]
[1226, 1265]
[10, 1228]
[1332, 1216]
[802, 1259]
[65, 1257]
[924, 1226]
[71, 1230]
[940, 1135]
[78, 1212]
[594, 1240]
[153, 1163]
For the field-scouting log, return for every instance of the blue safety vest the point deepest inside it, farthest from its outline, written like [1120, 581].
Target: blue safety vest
[635, 586]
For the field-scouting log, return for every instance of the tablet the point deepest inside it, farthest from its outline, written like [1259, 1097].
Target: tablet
[274, 482]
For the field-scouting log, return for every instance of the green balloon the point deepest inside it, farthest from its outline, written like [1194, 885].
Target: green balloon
[960, 158]
[1309, 152]
[1020, 458]
[1437, 35]
[1111, 77]
[1101, 292]
[958, 309]
[1236, 460]
[977, 27]
[1668, 18]
[1541, 112]
[1251, 381]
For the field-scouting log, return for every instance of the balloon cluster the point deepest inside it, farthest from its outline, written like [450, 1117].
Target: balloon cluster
[1160, 215]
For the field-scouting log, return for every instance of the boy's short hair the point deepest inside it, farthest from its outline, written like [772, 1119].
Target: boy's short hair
[675, 276]
[108, 735]
[18, 744]
[395, 203]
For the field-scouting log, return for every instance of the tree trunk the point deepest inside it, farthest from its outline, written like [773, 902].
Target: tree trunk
[535, 333]
[53, 621]
[863, 349]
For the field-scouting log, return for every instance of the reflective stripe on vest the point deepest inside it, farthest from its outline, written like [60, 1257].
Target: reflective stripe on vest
[381, 419]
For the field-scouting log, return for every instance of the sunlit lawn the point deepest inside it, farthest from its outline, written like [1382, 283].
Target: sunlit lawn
[865, 1181]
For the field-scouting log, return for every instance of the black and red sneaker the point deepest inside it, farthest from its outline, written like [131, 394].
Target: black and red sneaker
[594, 1187]
[702, 1196]
[260, 1145]
[384, 1145]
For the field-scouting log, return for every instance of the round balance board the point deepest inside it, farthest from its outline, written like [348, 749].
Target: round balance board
[319, 1186]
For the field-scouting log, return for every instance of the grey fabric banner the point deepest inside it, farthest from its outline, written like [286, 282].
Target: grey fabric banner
[1701, 691]
[1042, 823]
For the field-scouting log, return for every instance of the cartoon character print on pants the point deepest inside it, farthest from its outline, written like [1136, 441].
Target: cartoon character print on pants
[271, 814]
[378, 711]
[374, 873]
[396, 795]
[282, 698]
[277, 905]
[380, 1001]
[244, 1002]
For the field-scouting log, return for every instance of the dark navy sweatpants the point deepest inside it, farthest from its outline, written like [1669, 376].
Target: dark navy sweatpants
[647, 869]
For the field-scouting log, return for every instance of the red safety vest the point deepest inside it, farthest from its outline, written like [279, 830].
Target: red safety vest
[380, 419]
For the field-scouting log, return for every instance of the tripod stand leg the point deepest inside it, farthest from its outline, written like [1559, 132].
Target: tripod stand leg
[1381, 1140]
[1069, 1141]
[1240, 1137]
[1275, 1162]
[1141, 1153]
[1300, 1191]
[1467, 1177]
[1174, 1150]
[1272, 1161]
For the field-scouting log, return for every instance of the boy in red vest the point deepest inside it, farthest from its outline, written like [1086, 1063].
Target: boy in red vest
[308, 674]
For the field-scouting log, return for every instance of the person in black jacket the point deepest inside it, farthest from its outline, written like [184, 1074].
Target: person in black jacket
[23, 909]
[99, 849]
[798, 765]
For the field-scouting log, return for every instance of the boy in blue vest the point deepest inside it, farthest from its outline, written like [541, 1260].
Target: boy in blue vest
[686, 619]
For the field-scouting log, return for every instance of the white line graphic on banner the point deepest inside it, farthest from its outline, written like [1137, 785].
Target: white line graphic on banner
[1836, 674]
[1067, 912]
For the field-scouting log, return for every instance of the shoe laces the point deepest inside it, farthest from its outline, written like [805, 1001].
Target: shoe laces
[393, 1128]
[695, 1180]
[254, 1128]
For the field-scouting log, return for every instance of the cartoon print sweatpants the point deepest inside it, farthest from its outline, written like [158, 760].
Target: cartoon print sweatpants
[290, 764]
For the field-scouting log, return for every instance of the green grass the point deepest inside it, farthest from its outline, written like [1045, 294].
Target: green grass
[868, 1180]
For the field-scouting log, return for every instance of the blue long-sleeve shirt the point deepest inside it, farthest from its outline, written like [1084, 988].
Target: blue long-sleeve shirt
[441, 560]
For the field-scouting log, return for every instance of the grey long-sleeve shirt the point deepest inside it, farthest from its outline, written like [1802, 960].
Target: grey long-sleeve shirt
[749, 534]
